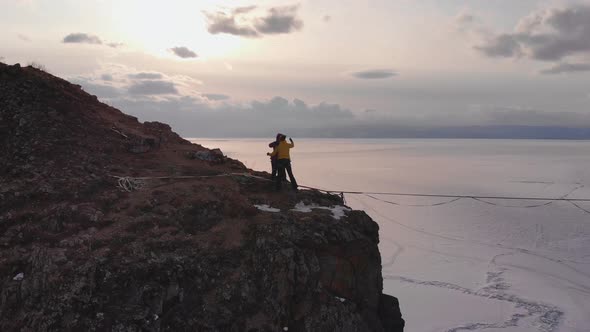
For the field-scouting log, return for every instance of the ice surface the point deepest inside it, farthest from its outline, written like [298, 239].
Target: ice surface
[467, 265]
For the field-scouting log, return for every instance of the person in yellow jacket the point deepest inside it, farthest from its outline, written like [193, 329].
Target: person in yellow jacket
[284, 162]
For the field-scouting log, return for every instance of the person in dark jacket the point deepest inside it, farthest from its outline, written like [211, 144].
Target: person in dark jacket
[284, 162]
[273, 159]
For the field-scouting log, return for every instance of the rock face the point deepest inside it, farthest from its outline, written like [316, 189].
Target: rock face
[185, 251]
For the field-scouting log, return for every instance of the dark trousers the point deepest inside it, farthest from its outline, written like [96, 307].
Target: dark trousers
[284, 165]
[273, 164]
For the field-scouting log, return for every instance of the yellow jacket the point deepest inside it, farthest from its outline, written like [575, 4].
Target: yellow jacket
[282, 150]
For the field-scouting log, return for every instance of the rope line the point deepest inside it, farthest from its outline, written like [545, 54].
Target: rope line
[533, 205]
[513, 206]
[452, 196]
[455, 198]
[180, 176]
[415, 205]
[130, 184]
[579, 207]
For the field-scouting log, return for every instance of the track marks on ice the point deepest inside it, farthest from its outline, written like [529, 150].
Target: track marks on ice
[479, 243]
[398, 250]
[576, 281]
[546, 317]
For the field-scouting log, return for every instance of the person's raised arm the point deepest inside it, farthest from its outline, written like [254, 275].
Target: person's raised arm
[291, 140]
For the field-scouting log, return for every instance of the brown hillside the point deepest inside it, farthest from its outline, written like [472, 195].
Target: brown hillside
[79, 253]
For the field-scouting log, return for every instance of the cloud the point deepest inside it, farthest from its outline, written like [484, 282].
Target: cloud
[82, 38]
[169, 99]
[246, 22]
[556, 33]
[115, 45]
[562, 68]
[547, 35]
[23, 37]
[243, 10]
[105, 91]
[279, 20]
[501, 46]
[223, 23]
[176, 100]
[193, 117]
[471, 25]
[527, 116]
[215, 96]
[139, 83]
[101, 90]
[180, 101]
[155, 87]
[117, 81]
[375, 74]
[183, 52]
[145, 76]
[465, 18]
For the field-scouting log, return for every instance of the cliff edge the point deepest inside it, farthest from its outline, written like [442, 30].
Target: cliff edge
[109, 224]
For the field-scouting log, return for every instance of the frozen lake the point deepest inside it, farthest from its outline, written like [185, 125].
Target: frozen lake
[466, 265]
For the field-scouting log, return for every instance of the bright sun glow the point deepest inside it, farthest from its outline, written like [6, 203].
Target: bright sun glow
[155, 27]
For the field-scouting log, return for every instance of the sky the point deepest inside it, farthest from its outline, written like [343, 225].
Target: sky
[320, 68]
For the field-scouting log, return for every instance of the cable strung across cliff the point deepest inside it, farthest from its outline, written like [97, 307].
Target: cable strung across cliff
[455, 198]
[130, 184]
[451, 195]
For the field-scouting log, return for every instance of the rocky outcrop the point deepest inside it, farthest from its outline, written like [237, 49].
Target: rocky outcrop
[188, 251]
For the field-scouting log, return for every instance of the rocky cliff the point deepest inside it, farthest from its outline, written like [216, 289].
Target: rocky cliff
[200, 244]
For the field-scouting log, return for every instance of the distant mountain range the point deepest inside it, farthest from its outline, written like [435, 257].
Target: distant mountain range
[375, 131]
[491, 132]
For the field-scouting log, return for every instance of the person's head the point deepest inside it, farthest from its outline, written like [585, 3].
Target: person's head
[283, 137]
[279, 135]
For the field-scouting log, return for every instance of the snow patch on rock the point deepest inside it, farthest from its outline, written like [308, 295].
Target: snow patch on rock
[267, 208]
[338, 211]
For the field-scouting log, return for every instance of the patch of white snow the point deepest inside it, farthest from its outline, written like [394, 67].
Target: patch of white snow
[338, 211]
[301, 207]
[267, 208]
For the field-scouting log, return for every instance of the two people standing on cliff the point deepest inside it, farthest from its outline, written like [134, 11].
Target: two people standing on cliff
[281, 161]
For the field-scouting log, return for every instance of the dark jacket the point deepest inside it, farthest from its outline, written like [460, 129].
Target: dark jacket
[273, 145]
